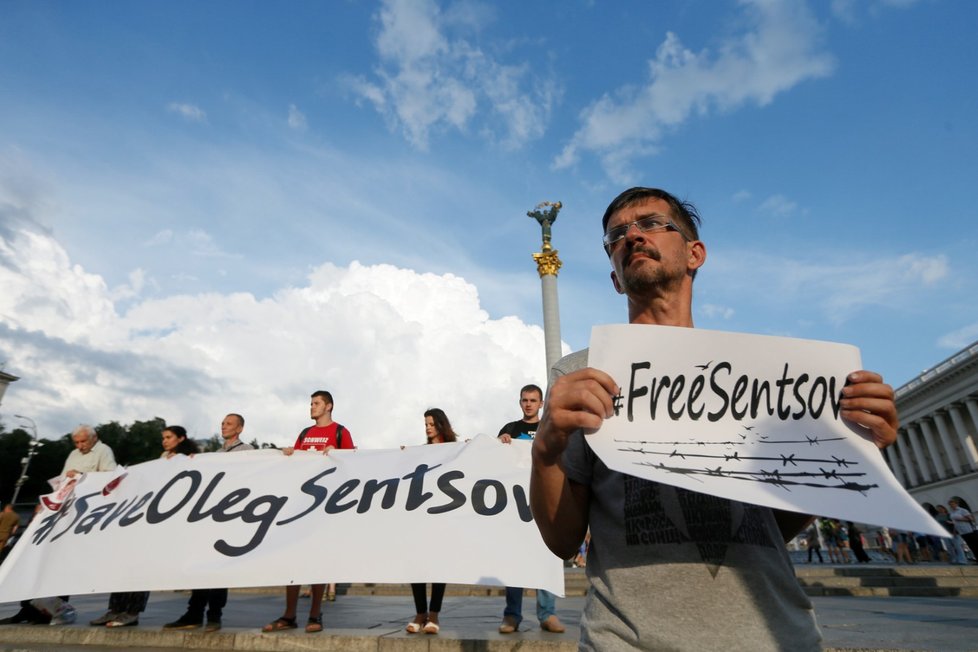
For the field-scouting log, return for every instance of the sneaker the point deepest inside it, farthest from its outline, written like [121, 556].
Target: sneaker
[124, 620]
[64, 617]
[212, 625]
[509, 625]
[553, 625]
[104, 619]
[184, 622]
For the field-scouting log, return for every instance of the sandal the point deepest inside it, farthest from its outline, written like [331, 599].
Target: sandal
[280, 624]
[315, 624]
[415, 625]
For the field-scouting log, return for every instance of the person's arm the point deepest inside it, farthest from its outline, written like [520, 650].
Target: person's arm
[868, 402]
[578, 401]
[504, 436]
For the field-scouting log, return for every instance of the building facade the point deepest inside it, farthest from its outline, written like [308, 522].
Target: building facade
[935, 456]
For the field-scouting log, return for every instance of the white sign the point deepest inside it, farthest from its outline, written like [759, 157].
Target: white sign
[747, 417]
[444, 513]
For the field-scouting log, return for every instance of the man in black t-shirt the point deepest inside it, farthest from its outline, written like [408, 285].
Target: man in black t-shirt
[531, 398]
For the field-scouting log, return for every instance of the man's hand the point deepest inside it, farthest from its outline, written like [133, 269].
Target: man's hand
[581, 400]
[505, 438]
[328, 449]
[71, 473]
[288, 450]
[868, 402]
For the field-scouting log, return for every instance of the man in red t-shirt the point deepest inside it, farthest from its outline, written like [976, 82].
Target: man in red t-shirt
[325, 436]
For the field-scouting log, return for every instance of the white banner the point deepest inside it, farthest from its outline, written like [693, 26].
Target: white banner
[446, 513]
[753, 418]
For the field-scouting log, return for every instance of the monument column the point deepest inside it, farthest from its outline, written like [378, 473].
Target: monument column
[895, 466]
[946, 444]
[966, 437]
[548, 264]
[918, 454]
[935, 453]
[902, 447]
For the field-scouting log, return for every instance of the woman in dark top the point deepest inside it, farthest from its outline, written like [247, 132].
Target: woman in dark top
[438, 430]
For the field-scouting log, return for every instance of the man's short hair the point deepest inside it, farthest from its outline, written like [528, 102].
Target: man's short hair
[84, 428]
[532, 388]
[238, 417]
[683, 212]
[323, 394]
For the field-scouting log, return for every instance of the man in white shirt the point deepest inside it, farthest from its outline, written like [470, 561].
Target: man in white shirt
[89, 455]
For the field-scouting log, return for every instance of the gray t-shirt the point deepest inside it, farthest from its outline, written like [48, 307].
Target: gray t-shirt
[672, 569]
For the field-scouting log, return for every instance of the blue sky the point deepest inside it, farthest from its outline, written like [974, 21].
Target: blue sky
[213, 207]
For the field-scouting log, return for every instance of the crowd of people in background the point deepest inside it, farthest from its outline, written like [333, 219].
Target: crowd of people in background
[846, 543]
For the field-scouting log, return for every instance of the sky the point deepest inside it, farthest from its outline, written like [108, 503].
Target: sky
[224, 206]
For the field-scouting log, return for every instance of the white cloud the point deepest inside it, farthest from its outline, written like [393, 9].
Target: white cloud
[741, 196]
[778, 52]
[187, 111]
[387, 342]
[137, 280]
[960, 338]
[297, 119]
[431, 79]
[714, 311]
[160, 238]
[778, 206]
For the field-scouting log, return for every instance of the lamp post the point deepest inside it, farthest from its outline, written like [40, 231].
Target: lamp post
[32, 447]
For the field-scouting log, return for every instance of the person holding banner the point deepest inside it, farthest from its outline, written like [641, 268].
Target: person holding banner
[703, 572]
[213, 600]
[531, 400]
[324, 436]
[176, 442]
[89, 454]
[125, 607]
[438, 430]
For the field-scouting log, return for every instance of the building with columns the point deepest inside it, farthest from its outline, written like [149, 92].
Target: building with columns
[935, 456]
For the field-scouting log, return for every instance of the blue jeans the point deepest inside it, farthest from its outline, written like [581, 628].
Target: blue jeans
[514, 604]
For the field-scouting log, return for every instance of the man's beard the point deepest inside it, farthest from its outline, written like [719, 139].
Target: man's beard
[642, 278]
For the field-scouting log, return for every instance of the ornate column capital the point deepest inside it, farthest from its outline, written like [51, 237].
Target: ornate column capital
[548, 264]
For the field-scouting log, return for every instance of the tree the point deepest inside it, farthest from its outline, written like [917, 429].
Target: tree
[143, 442]
[13, 448]
[47, 463]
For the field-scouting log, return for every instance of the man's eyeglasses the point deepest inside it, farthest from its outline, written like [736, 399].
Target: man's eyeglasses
[648, 224]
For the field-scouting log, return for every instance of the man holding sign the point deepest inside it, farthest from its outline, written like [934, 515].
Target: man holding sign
[670, 568]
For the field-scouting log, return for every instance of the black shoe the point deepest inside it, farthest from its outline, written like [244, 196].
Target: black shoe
[184, 622]
[213, 624]
[19, 617]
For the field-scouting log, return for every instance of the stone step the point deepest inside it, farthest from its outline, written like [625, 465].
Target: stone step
[922, 580]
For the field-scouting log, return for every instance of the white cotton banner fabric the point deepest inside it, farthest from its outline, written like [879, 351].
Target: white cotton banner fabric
[752, 418]
[454, 513]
